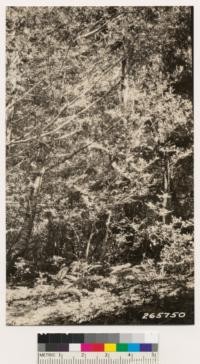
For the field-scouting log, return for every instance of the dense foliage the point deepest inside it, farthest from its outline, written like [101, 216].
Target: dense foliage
[99, 163]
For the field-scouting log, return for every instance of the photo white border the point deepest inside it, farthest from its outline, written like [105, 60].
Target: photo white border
[178, 344]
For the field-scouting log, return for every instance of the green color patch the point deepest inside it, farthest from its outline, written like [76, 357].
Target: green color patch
[122, 347]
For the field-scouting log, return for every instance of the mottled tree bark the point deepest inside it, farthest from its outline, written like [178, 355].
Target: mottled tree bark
[19, 248]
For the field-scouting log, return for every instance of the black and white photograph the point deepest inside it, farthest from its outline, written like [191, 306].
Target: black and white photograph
[99, 165]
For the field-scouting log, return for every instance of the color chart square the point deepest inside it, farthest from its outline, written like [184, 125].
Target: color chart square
[110, 348]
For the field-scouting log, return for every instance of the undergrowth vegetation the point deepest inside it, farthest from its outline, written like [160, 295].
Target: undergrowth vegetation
[99, 165]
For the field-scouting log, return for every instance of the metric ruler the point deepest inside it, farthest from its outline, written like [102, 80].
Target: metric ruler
[98, 349]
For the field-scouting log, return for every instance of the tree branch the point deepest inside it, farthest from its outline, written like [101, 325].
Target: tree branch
[70, 156]
[24, 95]
[65, 123]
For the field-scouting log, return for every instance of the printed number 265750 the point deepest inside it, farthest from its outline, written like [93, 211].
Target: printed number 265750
[160, 315]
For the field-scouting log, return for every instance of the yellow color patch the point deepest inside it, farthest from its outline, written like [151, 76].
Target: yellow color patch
[110, 347]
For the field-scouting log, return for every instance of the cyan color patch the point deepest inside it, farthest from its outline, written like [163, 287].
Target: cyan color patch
[134, 348]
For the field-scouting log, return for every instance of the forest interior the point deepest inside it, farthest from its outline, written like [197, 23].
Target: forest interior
[99, 168]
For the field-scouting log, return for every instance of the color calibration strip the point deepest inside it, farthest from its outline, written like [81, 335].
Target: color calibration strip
[107, 347]
[111, 343]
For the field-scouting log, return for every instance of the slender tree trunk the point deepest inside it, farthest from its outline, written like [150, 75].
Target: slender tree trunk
[30, 212]
[105, 240]
[167, 192]
[124, 85]
[89, 242]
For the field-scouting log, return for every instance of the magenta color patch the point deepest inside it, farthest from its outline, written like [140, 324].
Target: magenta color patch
[86, 347]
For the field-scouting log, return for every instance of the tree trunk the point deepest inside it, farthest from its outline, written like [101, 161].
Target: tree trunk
[124, 85]
[167, 192]
[89, 242]
[105, 240]
[31, 204]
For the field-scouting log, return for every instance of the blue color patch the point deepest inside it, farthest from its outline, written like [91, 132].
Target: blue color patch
[134, 347]
[146, 347]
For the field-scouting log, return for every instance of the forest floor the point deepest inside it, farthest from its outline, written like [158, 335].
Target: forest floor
[116, 299]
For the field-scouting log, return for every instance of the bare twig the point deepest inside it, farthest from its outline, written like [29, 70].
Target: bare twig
[24, 95]
[96, 30]
[65, 123]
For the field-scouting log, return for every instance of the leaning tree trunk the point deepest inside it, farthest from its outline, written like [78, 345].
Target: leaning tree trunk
[89, 242]
[124, 85]
[105, 240]
[167, 191]
[21, 245]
